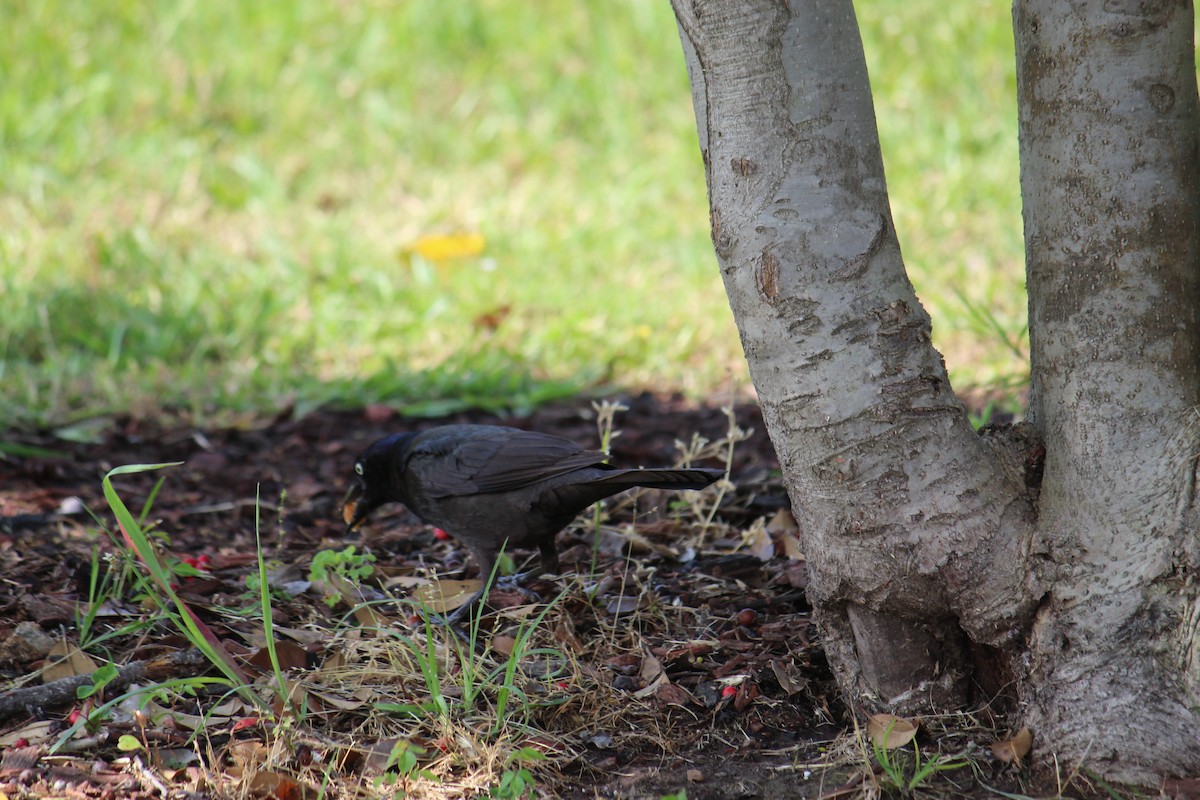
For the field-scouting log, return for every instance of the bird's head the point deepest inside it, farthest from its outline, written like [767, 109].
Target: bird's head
[376, 479]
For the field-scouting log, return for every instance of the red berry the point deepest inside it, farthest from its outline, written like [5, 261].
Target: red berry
[728, 692]
[440, 535]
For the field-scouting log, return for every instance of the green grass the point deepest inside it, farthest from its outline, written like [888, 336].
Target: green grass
[211, 207]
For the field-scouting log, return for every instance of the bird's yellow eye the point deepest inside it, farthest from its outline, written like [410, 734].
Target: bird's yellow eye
[358, 468]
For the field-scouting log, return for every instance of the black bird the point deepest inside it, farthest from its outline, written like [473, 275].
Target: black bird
[489, 486]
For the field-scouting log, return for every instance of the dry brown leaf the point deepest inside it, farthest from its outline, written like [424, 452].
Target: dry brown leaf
[652, 689]
[758, 541]
[217, 716]
[279, 785]
[1011, 751]
[290, 655]
[520, 612]
[672, 694]
[791, 547]
[504, 644]
[614, 541]
[300, 635]
[406, 582]
[790, 678]
[248, 753]
[342, 702]
[33, 732]
[655, 676]
[889, 731]
[334, 661]
[67, 661]
[368, 617]
[651, 668]
[445, 595]
[624, 604]
[350, 594]
[784, 528]
[782, 522]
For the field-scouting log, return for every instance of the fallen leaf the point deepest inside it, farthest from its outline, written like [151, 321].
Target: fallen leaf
[446, 247]
[790, 678]
[747, 693]
[782, 522]
[520, 612]
[651, 669]
[33, 732]
[889, 731]
[624, 604]
[758, 541]
[655, 676]
[1011, 751]
[406, 582]
[67, 661]
[289, 654]
[791, 547]
[492, 320]
[280, 786]
[340, 702]
[446, 595]
[673, 694]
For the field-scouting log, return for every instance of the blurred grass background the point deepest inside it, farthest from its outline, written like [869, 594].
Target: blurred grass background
[228, 208]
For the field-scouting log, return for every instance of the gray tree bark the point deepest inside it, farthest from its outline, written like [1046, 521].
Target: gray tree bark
[934, 568]
[1109, 177]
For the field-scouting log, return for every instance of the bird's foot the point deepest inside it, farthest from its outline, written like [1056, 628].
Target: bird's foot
[516, 583]
[504, 583]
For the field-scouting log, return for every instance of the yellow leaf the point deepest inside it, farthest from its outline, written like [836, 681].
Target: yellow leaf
[889, 731]
[1011, 751]
[446, 247]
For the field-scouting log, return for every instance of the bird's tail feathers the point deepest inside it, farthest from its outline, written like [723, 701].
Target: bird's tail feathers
[695, 478]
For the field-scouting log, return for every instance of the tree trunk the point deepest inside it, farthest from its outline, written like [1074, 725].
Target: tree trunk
[1108, 129]
[931, 567]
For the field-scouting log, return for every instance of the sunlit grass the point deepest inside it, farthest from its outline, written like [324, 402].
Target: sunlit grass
[212, 206]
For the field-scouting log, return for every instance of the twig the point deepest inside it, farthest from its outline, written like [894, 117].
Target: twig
[62, 691]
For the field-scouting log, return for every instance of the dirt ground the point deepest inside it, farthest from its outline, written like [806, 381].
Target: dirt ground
[695, 663]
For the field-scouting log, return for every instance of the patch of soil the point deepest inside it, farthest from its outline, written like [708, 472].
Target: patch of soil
[697, 666]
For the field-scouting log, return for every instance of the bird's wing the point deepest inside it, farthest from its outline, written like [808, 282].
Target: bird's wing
[485, 460]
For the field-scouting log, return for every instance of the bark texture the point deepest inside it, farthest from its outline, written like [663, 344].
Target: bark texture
[918, 531]
[1109, 177]
[926, 546]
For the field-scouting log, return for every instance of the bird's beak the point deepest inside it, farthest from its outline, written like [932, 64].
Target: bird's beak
[354, 510]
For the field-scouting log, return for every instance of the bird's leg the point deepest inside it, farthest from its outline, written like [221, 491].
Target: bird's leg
[457, 615]
[486, 559]
[548, 566]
